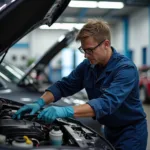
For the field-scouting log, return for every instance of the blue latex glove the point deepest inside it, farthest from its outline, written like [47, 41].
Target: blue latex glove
[49, 114]
[34, 107]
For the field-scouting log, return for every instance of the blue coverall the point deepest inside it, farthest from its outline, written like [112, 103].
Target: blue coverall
[113, 93]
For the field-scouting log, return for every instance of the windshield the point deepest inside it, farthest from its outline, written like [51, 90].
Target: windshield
[12, 73]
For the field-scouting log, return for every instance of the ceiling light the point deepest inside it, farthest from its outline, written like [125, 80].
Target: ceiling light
[83, 4]
[112, 5]
[64, 26]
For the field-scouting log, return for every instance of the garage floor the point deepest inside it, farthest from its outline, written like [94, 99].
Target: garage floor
[147, 111]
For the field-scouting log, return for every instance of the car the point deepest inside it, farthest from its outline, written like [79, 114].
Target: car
[13, 80]
[144, 83]
[17, 19]
[29, 90]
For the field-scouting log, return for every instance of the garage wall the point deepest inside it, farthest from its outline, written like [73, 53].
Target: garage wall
[117, 36]
[139, 28]
[41, 40]
[138, 33]
[19, 53]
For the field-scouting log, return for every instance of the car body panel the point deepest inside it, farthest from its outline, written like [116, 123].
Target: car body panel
[17, 81]
[144, 83]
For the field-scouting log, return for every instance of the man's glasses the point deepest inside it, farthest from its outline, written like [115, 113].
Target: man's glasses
[89, 50]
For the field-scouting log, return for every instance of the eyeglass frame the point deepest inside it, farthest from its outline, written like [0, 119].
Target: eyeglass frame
[90, 50]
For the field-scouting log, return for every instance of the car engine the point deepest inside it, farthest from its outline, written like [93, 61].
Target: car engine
[30, 132]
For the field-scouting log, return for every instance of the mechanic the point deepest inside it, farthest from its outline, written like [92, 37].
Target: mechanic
[112, 83]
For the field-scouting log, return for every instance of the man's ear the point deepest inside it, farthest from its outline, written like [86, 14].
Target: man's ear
[107, 43]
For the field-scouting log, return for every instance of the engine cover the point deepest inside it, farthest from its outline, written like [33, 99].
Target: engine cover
[75, 134]
[12, 128]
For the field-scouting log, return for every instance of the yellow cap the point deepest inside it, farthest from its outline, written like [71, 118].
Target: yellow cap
[28, 141]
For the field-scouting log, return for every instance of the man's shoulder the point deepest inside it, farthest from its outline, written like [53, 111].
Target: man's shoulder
[120, 58]
[123, 60]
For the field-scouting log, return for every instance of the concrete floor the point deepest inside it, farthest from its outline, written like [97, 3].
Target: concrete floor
[147, 111]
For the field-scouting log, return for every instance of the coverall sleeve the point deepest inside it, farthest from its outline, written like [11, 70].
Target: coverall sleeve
[113, 96]
[68, 85]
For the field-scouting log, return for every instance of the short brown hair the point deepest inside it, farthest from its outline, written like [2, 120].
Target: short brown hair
[98, 29]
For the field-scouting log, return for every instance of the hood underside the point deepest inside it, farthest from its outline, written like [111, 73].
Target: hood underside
[22, 16]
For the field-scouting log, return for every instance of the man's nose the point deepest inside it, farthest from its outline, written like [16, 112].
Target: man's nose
[86, 55]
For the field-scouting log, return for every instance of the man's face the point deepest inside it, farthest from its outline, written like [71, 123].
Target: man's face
[99, 52]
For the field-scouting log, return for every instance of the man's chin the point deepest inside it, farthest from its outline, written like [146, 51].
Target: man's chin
[93, 62]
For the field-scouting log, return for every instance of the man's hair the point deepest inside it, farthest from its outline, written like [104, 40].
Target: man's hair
[98, 29]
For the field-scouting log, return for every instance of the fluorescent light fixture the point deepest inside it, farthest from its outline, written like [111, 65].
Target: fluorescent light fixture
[83, 4]
[95, 4]
[110, 5]
[63, 26]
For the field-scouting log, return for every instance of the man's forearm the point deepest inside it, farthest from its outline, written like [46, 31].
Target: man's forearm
[84, 110]
[48, 97]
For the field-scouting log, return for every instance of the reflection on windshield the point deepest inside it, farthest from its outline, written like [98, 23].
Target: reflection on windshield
[12, 73]
[4, 77]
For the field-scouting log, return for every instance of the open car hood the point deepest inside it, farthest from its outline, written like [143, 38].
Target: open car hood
[44, 60]
[19, 17]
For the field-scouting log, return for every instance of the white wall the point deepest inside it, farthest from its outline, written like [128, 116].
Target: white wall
[19, 53]
[41, 40]
[117, 36]
[138, 33]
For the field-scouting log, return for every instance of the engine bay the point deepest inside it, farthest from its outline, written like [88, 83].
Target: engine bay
[29, 132]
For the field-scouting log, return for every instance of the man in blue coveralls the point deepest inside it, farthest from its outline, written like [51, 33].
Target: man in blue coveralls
[112, 83]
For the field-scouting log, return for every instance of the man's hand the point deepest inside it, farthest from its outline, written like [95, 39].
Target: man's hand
[49, 114]
[33, 108]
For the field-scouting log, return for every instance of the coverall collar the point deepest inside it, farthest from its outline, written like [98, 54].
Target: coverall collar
[110, 63]
[109, 67]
